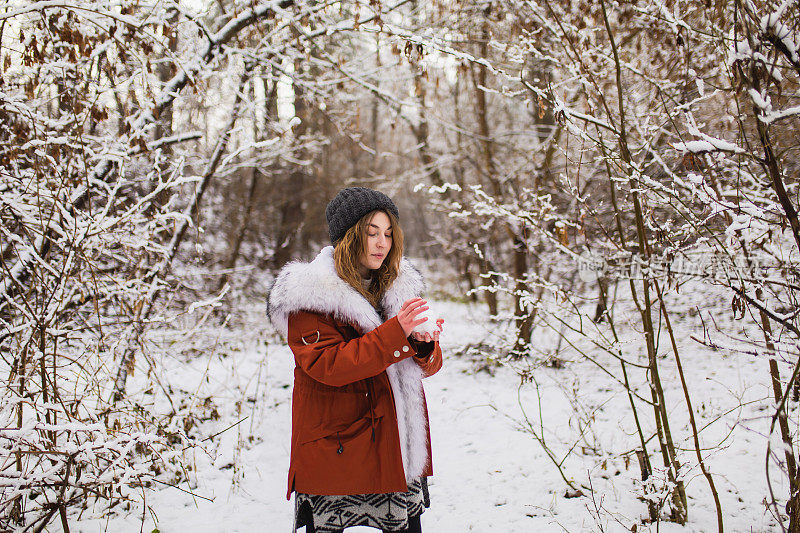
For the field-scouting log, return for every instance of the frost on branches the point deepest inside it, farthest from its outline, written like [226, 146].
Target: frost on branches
[115, 118]
[648, 139]
[80, 229]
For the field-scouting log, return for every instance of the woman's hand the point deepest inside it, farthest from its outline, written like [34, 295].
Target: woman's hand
[407, 316]
[426, 337]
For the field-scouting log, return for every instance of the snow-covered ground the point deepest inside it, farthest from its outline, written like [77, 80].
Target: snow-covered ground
[490, 473]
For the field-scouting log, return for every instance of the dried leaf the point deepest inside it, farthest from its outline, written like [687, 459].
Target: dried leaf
[129, 363]
[563, 236]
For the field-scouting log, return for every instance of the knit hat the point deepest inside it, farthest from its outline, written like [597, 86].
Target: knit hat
[350, 205]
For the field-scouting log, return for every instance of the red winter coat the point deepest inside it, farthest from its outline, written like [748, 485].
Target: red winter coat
[353, 374]
[344, 426]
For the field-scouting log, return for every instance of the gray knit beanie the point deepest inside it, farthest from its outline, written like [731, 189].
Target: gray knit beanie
[350, 205]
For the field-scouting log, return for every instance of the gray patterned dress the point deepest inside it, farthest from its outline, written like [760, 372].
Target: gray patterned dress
[390, 511]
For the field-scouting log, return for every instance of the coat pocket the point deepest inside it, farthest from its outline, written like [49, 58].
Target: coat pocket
[327, 410]
[341, 434]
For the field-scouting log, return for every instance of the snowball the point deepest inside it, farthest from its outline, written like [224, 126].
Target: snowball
[429, 326]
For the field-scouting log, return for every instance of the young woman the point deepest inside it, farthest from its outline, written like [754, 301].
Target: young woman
[360, 449]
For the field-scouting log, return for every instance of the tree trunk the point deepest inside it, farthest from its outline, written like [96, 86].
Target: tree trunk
[793, 505]
[602, 303]
[292, 211]
[523, 316]
[487, 281]
[165, 70]
[479, 75]
[241, 230]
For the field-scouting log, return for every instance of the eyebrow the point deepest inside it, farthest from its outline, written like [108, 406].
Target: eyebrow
[374, 226]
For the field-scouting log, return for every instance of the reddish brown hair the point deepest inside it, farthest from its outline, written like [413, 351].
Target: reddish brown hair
[349, 249]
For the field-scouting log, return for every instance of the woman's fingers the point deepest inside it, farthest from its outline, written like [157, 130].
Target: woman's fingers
[416, 302]
[415, 309]
[410, 305]
[409, 302]
[424, 337]
[416, 305]
[418, 310]
[407, 316]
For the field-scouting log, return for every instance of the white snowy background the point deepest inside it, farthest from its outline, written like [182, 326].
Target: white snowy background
[491, 474]
[160, 160]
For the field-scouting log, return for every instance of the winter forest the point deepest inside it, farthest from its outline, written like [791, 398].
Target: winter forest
[602, 195]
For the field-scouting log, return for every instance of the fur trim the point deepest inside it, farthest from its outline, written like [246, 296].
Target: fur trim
[316, 287]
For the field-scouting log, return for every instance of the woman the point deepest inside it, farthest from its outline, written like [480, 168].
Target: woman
[360, 449]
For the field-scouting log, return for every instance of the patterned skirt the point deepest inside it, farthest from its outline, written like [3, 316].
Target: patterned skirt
[390, 511]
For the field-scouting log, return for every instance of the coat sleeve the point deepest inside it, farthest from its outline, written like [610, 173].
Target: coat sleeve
[428, 356]
[322, 352]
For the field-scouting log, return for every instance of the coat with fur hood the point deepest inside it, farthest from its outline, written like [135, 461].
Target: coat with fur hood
[359, 417]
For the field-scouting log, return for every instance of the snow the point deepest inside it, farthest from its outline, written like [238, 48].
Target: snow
[767, 114]
[429, 326]
[762, 101]
[777, 115]
[491, 472]
[707, 145]
[771, 23]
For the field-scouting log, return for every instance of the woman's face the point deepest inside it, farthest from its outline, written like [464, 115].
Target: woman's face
[378, 242]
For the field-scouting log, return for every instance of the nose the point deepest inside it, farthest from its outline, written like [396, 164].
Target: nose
[382, 241]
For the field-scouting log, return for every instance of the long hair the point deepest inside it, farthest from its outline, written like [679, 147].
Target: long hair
[349, 249]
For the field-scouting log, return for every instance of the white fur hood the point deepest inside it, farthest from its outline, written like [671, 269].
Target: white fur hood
[316, 287]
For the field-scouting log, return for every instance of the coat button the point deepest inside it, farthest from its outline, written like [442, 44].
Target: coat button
[396, 353]
[405, 348]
